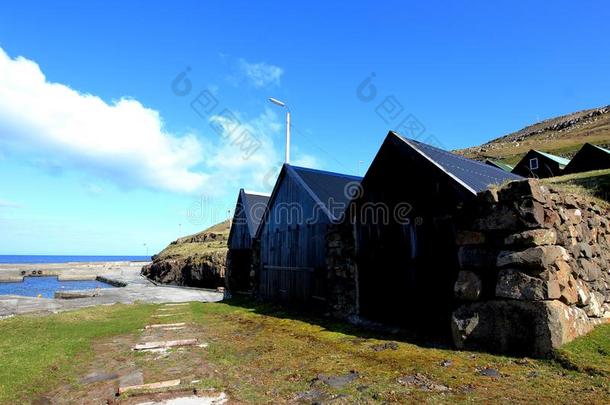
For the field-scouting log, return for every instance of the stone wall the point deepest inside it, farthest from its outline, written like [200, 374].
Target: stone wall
[342, 282]
[256, 267]
[535, 269]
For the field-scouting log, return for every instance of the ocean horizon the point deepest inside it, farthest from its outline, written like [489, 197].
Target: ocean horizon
[41, 259]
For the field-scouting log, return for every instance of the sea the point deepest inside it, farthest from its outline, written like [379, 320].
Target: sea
[39, 259]
[46, 286]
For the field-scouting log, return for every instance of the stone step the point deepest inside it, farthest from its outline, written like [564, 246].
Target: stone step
[176, 304]
[98, 377]
[175, 328]
[166, 315]
[165, 325]
[160, 350]
[165, 344]
[149, 387]
[192, 400]
[135, 377]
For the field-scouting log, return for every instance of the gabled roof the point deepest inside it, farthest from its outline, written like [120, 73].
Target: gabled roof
[589, 157]
[499, 164]
[328, 187]
[253, 206]
[475, 176]
[599, 147]
[329, 190]
[562, 161]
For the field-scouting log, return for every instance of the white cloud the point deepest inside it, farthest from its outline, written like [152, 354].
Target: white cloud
[235, 160]
[59, 129]
[260, 74]
[123, 139]
[246, 152]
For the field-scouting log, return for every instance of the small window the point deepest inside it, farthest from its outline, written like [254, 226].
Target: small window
[534, 164]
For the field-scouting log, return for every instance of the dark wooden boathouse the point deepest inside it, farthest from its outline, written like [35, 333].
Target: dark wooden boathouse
[403, 226]
[247, 215]
[540, 165]
[292, 234]
[589, 157]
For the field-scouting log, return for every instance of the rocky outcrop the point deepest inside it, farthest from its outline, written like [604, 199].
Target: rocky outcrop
[206, 270]
[535, 269]
[196, 261]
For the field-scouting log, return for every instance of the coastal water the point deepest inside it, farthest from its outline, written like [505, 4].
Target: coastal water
[47, 286]
[39, 259]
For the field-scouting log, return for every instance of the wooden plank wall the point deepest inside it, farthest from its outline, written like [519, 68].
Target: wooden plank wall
[404, 267]
[546, 167]
[293, 247]
[240, 234]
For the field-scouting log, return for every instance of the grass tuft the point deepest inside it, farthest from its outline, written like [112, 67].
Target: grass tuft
[37, 352]
[594, 184]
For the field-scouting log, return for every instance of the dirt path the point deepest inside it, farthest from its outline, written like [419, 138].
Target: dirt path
[262, 354]
[158, 365]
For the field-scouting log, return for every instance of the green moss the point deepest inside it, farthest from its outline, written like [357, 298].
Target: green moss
[267, 354]
[590, 353]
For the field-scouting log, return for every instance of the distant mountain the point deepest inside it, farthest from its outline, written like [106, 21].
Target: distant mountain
[562, 136]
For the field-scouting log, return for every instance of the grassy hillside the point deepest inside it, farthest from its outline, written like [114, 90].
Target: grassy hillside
[561, 136]
[593, 184]
[210, 240]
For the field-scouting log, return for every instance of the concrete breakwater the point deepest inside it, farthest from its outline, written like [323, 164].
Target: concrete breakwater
[119, 274]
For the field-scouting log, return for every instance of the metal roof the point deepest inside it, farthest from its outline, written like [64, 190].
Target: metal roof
[558, 159]
[332, 190]
[600, 148]
[499, 164]
[254, 205]
[473, 175]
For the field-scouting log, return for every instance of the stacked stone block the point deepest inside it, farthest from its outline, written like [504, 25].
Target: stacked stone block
[535, 269]
[342, 271]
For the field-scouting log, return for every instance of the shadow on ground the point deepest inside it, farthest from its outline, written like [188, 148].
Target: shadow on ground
[363, 329]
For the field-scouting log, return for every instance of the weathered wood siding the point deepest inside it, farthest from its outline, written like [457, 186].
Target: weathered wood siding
[406, 268]
[588, 158]
[293, 248]
[239, 237]
[239, 261]
[546, 167]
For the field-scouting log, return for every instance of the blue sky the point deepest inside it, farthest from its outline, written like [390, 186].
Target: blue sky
[100, 155]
